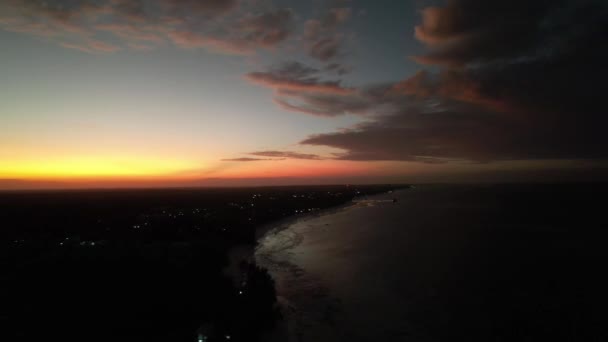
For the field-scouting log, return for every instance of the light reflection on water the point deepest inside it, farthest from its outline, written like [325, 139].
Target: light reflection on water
[441, 264]
[308, 265]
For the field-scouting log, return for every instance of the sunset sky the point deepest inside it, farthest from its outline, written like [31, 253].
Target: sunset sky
[253, 92]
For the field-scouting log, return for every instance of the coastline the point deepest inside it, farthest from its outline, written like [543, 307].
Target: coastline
[284, 223]
[247, 252]
[277, 225]
[284, 329]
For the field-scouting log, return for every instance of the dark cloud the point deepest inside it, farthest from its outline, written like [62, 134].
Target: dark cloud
[336, 16]
[286, 154]
[200, 6]
[217, 25]
[470, 31]
[267, 29]
[326, 48]
[327, 104]
[322, 36]
[315, 29]
[275, 155]
[245, 159]
[132, 10]
[62, 10]
[441, 131]
[294, 70]
[339, 69]
[300, 88]
[516, 80]
[48, 19]
[294, 77]
[449, 84]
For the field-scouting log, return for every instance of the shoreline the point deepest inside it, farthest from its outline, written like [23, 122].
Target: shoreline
[282, 332]
[247, 251]
[283, 223]
[273, 226]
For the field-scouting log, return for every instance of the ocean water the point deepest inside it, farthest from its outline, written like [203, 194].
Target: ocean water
[445, 263]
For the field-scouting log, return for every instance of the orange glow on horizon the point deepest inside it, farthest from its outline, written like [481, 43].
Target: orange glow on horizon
[299, 168]
[141, 170]
[92, 168]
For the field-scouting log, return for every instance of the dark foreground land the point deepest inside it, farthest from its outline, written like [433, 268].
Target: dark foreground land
[142, 265]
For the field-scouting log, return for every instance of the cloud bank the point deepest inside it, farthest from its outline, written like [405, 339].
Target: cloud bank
[301, 88]
[324, 40]
[516, 80]
[286, 154]
[247, 159]
[506, 80]
[275, 155]
[224, 26]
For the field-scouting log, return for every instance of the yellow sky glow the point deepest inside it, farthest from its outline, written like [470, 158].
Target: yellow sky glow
[87, 167]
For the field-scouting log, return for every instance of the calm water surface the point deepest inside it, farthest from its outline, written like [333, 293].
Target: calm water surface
[445, 263]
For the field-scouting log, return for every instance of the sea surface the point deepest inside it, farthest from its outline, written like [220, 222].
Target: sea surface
[446, 263]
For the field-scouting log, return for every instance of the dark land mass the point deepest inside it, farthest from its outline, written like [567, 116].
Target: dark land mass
[143, 265]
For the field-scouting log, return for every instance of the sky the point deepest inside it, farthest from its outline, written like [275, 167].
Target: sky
[140, 93]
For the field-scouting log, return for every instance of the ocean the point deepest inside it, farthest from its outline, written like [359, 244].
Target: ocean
[445, 263]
